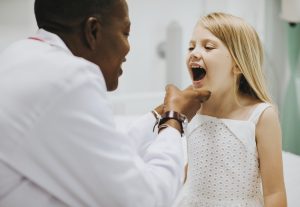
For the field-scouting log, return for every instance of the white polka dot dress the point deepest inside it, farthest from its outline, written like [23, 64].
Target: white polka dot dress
[223, 163]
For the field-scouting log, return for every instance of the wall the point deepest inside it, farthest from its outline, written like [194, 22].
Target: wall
[16, 21]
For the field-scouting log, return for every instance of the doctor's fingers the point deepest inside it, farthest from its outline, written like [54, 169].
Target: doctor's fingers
[171, 89]
[202, 94]
[172, 94]
[190, 87]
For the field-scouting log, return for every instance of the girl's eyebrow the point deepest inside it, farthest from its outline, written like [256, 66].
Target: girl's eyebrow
[192, 42]
[206, 40]
[210, 40]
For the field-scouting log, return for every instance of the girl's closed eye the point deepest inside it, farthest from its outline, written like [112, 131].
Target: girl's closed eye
[209, 47]
[191, 48]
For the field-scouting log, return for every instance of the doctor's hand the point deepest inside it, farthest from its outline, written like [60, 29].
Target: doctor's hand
[187, 101]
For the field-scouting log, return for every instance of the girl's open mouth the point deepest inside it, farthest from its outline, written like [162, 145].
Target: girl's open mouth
[198, 73]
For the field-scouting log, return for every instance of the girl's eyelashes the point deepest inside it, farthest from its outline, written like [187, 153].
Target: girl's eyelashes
[205, 46]
[190, 48]
[209, 47]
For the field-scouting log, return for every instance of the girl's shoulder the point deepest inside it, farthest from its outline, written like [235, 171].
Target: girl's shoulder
[262, 109]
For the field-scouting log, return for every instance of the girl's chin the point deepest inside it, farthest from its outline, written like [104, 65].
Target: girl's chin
[197, 84]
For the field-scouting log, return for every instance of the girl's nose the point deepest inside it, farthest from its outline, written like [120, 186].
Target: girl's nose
[196, 54]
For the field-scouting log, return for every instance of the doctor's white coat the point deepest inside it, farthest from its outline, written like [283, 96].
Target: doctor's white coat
[59, 145]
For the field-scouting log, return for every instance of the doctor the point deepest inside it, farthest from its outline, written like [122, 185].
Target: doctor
[58, 143]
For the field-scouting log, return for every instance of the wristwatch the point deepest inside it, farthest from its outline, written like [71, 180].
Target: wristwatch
[181, 118]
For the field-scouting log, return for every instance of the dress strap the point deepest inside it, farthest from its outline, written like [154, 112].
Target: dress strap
[257, 111]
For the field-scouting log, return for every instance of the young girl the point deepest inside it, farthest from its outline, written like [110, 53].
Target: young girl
[234, 142]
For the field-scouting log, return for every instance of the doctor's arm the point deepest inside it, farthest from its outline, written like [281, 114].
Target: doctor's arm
[100, 166]
[95, 165]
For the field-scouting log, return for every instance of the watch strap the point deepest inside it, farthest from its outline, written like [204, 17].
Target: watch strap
[173, 115]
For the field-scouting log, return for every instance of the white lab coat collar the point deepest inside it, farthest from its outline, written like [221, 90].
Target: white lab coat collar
[51, 39]
[54, 40]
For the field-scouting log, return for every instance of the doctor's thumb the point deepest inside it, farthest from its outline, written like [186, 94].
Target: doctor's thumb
[202, 94]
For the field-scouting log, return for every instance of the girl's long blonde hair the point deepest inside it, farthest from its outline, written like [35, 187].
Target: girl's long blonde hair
[246, 50]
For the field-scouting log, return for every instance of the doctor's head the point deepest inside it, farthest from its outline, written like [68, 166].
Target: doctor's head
[96, 30]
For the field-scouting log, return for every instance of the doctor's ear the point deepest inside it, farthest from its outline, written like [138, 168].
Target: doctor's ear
[92, 32]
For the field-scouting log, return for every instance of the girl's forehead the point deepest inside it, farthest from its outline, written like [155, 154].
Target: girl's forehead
[202, 34]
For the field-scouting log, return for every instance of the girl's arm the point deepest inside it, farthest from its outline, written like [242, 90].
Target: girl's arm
[268, 135]
[186, 167]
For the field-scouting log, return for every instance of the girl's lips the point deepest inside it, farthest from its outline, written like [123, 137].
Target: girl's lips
[198, 84]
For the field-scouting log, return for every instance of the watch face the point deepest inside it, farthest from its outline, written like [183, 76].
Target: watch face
[184, 124]
[185, 121]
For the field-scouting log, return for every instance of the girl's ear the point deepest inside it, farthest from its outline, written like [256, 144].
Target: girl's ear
[236, 70]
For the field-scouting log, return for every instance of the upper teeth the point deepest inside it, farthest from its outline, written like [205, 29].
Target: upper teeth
[197, 66]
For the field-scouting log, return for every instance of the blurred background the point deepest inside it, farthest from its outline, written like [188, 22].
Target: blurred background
[159, 38]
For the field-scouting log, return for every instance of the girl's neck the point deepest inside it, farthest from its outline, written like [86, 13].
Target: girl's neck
[228, 106]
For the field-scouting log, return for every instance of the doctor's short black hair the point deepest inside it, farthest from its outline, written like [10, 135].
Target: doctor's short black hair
[65, 15]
